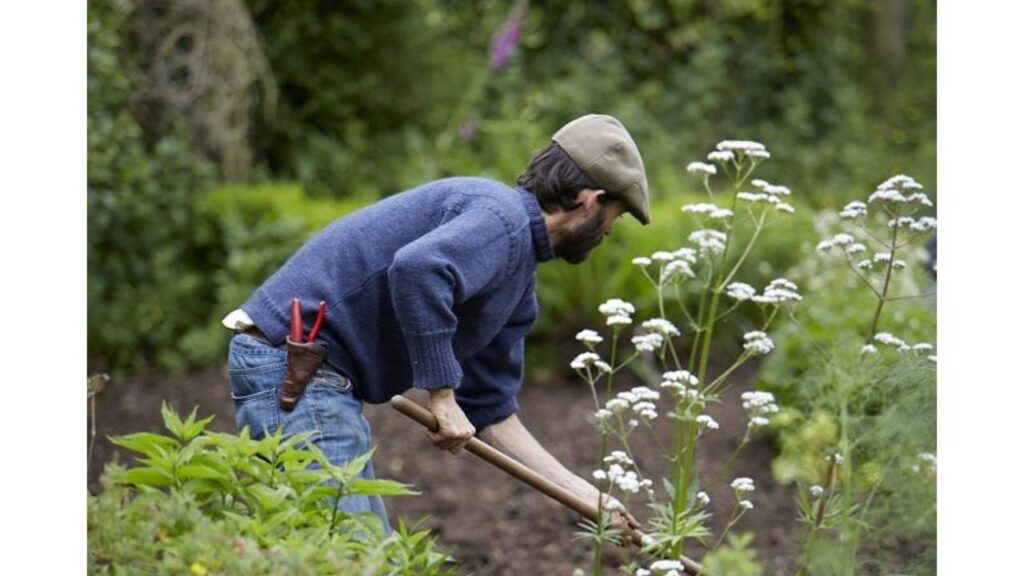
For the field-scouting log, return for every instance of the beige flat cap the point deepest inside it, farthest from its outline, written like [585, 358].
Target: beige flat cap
[600, 145]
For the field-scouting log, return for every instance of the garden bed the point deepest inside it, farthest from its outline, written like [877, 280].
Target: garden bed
[491, 523]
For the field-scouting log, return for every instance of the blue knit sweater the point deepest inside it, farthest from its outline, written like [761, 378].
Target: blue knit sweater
[428, 288]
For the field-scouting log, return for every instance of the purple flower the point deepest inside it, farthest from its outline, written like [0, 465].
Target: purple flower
[467, 130]
[505, 40]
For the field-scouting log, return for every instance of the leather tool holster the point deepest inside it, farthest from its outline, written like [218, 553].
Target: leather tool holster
[303, 360]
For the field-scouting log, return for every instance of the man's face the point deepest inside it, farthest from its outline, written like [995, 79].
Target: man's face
[587, 231]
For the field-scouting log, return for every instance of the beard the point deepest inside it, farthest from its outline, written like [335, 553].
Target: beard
[576, 244]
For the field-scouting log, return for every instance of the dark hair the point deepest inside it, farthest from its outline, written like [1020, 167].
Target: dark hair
[555, 179]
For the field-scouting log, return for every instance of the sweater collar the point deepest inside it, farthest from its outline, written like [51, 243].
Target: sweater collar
[539, 231]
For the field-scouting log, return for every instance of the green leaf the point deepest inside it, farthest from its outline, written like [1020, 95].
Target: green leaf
[201, 471]
[377, 487]
[269, 498]
[146, 442]
[192, 428]
[145, 476]
[171, 420]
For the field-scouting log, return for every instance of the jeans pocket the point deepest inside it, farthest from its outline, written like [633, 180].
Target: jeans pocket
[255, 373]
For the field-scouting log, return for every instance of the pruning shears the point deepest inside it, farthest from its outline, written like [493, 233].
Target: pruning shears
[304, 357]
[296, 328]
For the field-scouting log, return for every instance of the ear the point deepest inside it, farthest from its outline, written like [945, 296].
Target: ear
[588, 197]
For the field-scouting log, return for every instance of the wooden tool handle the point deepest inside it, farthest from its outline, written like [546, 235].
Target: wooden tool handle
[517, 469]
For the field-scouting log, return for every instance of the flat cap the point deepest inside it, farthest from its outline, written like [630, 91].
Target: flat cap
[600, 145]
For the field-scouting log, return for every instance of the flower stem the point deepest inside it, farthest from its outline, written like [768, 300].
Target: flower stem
[885, 286]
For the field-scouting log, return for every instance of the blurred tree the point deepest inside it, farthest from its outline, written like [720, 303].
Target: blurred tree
[200, 62]
[145, 285]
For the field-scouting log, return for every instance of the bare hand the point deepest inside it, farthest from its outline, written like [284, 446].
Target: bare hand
[621, 520]
[454, 430]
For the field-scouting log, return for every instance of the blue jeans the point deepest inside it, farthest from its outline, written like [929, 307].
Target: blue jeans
[327, 409]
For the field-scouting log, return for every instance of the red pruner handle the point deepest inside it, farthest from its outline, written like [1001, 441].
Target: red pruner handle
[319, 321]
[296, 329]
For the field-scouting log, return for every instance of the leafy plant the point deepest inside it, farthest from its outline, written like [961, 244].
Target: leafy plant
[846, 446]
[209, 502]
[861, 392]
[697, 282]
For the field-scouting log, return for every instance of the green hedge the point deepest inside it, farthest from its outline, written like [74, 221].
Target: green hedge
[146, 281]
[254, 229]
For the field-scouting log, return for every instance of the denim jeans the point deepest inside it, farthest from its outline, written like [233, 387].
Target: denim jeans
[327, 409]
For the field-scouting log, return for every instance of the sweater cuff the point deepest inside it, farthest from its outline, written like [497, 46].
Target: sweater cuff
[483, 417]
[433, 361]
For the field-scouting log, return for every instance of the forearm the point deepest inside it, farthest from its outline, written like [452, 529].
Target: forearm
[511, 437]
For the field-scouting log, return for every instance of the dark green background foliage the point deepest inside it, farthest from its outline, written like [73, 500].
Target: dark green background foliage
[373, 97]
[146, 270]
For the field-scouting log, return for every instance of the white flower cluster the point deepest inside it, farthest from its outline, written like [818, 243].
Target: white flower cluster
[920, 198]
[771, 189]
[589, 337]
[648, 342]
[765, 198]
[705, 422]
[701, 168]
[816, 491]
[661, 326]
[710, 241]
[618, 457]
[586, 359]
[839, 240]
[676, 382]
[757, 421]
[901, 222]
[779, 291]
[742, 485]
[663, 568]
[618, 312]
[890, 340]
[711, 210]
[625, 480]
[853, 210]
[748, 147]
[921, 348]
[758, 343]
[674, 265]
[721, 156]
[759, 405]
[930, 459]
[640, 399]
[891, 191]
[703, 498]
[769, 193]
[740, 292]
[924, 224]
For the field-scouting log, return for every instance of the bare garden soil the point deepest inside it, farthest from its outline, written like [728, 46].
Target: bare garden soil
[490, 522]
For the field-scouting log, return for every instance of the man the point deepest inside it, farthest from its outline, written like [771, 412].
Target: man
[433, 288]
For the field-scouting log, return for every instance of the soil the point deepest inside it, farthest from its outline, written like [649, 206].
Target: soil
[490, 522]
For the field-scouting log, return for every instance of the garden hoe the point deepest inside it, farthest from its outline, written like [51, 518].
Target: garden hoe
[523, 473]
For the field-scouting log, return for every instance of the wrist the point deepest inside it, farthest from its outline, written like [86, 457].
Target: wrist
[445, 393]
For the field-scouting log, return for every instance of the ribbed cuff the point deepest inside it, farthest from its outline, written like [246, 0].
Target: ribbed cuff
[433, 361]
